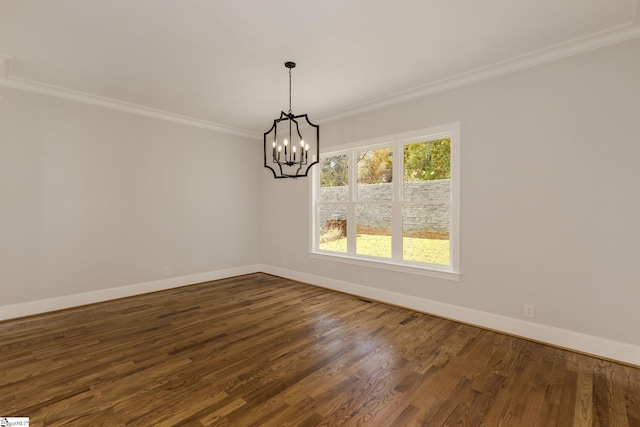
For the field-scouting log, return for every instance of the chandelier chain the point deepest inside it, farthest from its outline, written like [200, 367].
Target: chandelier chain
[289, 90]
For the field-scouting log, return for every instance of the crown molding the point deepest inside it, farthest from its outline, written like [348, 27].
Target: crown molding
[5, 66]
[576, 46]
[9, 81]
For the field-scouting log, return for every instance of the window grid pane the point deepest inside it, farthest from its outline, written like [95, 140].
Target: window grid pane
[375, 174]
[425, 233]
[373, 230]
[334, 178]
[332, 227]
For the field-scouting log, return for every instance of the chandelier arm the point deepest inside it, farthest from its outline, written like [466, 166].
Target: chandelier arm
[275, 138]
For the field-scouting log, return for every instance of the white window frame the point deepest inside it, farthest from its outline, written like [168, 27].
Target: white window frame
[397, 142]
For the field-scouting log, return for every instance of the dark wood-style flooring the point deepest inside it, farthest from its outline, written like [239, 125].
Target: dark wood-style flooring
[259, 350]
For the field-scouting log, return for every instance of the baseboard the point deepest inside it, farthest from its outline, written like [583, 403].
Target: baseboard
[576, 341]
[583, 343]
[51, 304]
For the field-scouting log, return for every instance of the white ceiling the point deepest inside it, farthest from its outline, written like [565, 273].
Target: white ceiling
[220, 62]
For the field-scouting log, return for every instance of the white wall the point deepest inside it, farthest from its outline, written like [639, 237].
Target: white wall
[549, 155]
[93, 199]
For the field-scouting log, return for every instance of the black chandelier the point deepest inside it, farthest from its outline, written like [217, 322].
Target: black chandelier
[286, 152]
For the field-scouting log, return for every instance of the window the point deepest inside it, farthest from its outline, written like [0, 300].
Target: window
[392, 201]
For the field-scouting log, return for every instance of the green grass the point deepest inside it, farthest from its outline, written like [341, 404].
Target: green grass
[416, 249]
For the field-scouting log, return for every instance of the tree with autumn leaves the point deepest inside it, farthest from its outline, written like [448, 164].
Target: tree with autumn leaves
[423, 161]
[427, 161]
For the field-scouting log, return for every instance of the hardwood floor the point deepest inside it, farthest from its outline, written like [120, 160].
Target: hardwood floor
[259, 350]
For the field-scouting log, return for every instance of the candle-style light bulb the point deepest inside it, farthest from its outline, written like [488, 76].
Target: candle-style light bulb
[286, 142]
[302, 143]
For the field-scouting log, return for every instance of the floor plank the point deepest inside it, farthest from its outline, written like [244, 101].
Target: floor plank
[265, 351]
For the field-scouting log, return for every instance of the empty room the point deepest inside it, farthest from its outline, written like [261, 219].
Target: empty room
[338, 213]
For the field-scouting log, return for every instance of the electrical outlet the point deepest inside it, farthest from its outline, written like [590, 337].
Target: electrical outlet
[284, 262]
[529, 310]
[365, 277]
[166, 271]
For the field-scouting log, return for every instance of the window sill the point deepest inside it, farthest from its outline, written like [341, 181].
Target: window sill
[387, 265]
